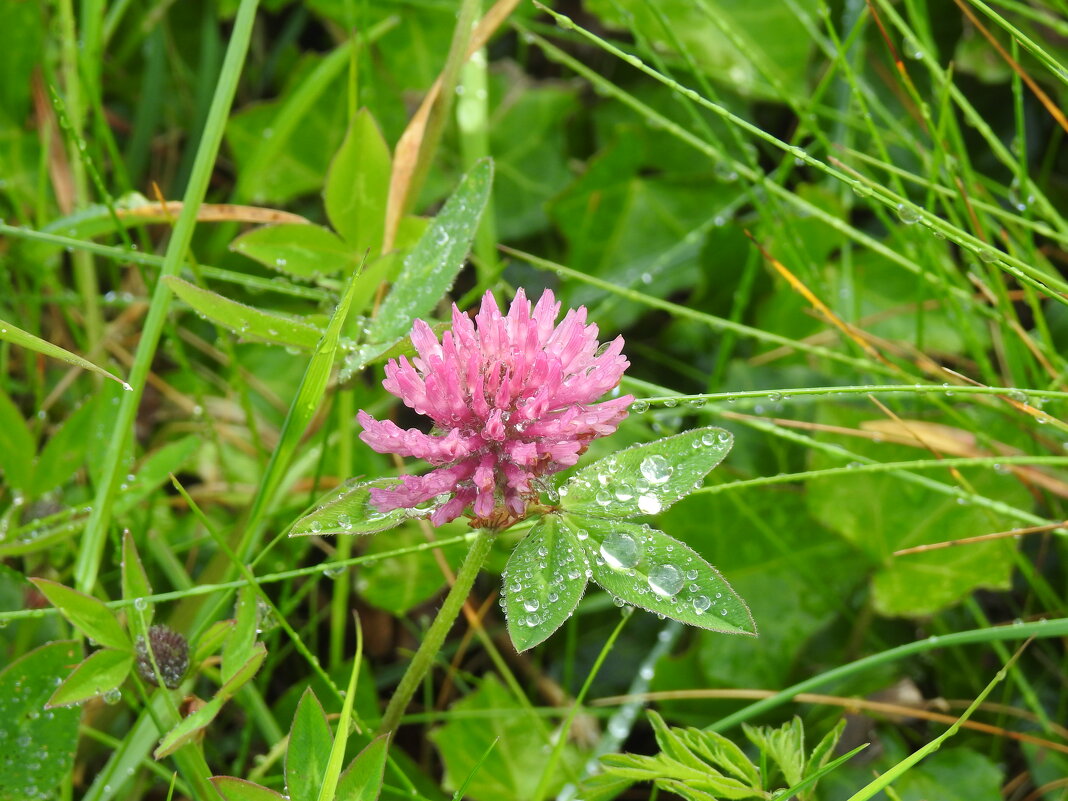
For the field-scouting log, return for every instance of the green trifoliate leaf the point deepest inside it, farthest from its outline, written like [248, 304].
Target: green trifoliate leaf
[645, 567]
[646, 479]
[543, 581]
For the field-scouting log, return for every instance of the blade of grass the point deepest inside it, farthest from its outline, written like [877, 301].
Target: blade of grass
[266, 578]
[305, 404]
[336, 762]
[15, 335]
[1057, 627]
[92, 546]
[252, 282]
[906, 764]
[84, 270]
[1021, 270]
[549, 772]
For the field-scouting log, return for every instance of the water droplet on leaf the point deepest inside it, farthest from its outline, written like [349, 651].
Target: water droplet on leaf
[656, 469]
[649, 504]
[621, 551]
[665, 580]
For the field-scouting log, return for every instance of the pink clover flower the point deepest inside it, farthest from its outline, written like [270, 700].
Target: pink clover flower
[511, 398]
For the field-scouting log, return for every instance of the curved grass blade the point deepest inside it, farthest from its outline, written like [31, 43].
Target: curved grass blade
[16, 336]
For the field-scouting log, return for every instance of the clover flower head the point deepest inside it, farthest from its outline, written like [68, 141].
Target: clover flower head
[511, 398]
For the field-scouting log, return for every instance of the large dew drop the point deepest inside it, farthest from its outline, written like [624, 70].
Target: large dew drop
[665, 580]
[656, 469]
[621, 551]
[649, 504]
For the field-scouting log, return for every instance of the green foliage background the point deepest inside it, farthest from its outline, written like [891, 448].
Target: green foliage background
[836, 229]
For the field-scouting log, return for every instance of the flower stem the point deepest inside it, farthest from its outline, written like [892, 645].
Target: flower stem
[435, 635]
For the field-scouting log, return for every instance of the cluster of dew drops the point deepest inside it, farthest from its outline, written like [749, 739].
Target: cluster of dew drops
[572, 566]
[621, 551]
[668, 583]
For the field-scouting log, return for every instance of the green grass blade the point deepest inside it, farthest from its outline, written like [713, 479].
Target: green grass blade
[92, 546]
[15, 335]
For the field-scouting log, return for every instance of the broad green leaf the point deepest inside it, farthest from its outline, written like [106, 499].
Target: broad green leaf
[239, 646]
[358, 184]
[102, 671]
[305, 251]
[89, 615]
[362, 779]
[65, 450]
[672, 745]
[431, 267]
[721, 751]
[795, 575]
[692, 746]
[648, 478]
[232, 788]
[664, 769]
[514, 767]
[954, 774]
[309, 749]
[246, 321]
[16, 336]
[707, 789]
[17, 448]
[603, 786]
[383, 269]
[282, 147]
[36, 744]
[543, 581]
[189, 726]
[764, 39]
[897, 514]
[528, 135]
[645, 567]
[135, 582]
[691, 763]
[630, 209]
[348, 510]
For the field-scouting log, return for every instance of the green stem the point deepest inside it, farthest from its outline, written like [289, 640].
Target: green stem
[84, 267]
[339, 602]
[435, 635]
